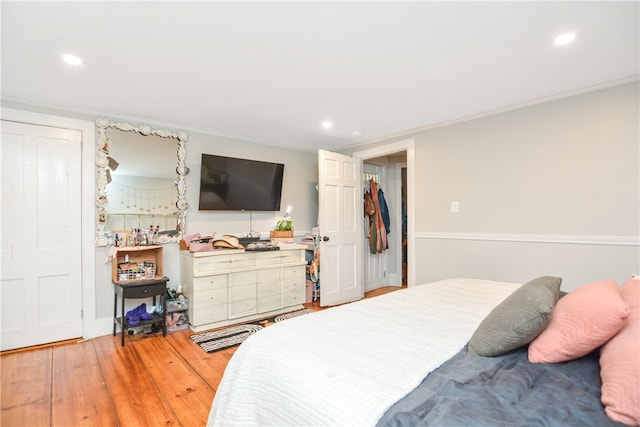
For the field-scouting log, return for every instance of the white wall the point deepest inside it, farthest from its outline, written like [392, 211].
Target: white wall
[551, 188]
[298, 191]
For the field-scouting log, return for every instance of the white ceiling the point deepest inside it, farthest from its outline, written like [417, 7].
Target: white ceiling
[272, 72]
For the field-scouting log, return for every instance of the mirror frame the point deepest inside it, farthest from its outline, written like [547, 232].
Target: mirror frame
[103, 148]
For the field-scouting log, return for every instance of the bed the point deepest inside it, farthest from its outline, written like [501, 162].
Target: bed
[402, 359]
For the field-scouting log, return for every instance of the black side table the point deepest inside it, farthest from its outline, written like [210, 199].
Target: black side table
[139, 289]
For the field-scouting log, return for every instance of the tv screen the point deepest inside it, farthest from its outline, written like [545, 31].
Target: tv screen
[231, 184]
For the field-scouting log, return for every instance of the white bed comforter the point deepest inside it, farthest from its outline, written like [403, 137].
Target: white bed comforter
[349, 364]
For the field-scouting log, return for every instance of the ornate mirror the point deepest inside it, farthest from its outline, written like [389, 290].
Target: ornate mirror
[140, 182]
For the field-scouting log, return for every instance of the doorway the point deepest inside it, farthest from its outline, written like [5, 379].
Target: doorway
[403, 219]
[375, 262]
[399, 188]
[387, 267]
[341, 180]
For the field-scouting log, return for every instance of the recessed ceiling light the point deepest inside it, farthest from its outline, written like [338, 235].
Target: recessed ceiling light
[565, 38]
[71, 59]
[327, 124]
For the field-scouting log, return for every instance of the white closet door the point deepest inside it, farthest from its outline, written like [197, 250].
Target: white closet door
[339, 221]
[40, 234]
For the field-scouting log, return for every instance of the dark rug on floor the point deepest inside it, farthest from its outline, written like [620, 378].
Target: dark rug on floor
[230, 336]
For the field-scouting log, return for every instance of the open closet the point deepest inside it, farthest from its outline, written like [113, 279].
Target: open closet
[385, 221]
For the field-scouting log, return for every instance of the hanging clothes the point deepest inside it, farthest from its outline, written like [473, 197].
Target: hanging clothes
[369, 207]
[384, 211]
[371, 211]
[377, 232]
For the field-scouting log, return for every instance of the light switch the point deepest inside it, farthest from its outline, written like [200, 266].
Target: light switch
[455, 206]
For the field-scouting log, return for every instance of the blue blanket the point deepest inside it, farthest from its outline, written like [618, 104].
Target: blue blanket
[470, 390]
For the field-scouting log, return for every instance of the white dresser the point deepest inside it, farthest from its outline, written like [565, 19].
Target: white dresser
[234, 286]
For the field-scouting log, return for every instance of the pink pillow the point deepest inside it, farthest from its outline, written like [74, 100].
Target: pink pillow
[581, 321]
[631, 294]
[620, 363]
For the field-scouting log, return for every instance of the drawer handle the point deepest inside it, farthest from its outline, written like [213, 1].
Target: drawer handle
[146, 291]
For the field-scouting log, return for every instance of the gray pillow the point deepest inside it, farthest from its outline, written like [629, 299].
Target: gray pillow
[517, 320]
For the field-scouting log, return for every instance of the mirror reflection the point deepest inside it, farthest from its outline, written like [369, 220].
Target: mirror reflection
[140, 183]
[142, 191]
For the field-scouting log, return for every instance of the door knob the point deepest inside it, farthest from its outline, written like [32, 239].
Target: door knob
[325, 239]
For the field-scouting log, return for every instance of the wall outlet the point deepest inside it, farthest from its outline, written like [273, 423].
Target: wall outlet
[455, 206]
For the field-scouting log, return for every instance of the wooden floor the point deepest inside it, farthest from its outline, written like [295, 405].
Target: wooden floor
[152, 381]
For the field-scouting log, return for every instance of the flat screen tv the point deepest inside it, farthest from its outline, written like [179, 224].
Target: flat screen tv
[231, 184]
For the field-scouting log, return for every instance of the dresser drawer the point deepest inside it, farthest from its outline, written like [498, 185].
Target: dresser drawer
[214, 313]
[209, 298]
[293, 285]
[209, 282]
[242, 260]
[268, 275]
[293, 298]
[243, 278]
[142, 291]
[211, 264]
[268, 258]
[269, 288]
[268, 303]
[242, 308]
[239, 293]
[288, 258]
[293, 272]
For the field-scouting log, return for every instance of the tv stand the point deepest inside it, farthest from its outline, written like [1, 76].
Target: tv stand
[231, 286]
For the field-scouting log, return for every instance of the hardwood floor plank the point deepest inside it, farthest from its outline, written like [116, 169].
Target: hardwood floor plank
[153, 381]
[182, 387]
[210, 366]
[136, 399]
[79, 393]
[381, 291]
[35, 414]
[42, 346]
[26, 388]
